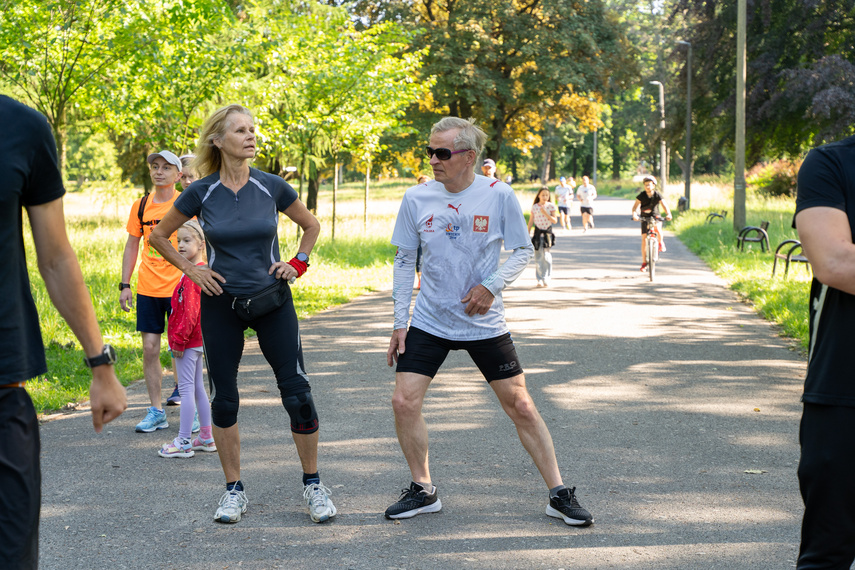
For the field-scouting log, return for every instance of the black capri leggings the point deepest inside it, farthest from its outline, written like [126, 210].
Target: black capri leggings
[222, 334]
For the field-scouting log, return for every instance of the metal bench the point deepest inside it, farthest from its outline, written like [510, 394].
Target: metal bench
[790, 257]
[713, 216]
[753, 234]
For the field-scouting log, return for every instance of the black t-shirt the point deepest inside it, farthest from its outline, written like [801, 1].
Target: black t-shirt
[30, 178]
[649, 204]
[827, 179]
[240, 228]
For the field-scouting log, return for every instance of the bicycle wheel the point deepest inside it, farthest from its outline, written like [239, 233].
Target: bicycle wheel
[651, 259]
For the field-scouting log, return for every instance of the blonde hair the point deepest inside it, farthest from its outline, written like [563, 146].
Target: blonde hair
[196, 229]
[187, 162]
[470, 137]
[209, 158]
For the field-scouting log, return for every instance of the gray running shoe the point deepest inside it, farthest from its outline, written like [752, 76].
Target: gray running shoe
[232, 505]
[321, 507]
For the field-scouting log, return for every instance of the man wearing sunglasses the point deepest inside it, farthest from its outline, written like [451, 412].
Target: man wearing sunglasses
[461, 220]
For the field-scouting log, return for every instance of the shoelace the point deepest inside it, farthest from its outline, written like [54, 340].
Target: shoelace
[231, 499]
[570, 499]
[317, 493]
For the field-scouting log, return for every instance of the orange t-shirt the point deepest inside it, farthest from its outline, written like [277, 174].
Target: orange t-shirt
[157, 277]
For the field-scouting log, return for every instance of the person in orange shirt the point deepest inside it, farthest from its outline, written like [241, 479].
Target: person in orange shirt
[157, 278]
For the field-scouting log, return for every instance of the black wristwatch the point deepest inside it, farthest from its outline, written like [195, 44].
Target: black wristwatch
[124, 286]
[107, 356]
[303, 257]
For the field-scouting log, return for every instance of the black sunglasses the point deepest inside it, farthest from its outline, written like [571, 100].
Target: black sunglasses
[443, 153]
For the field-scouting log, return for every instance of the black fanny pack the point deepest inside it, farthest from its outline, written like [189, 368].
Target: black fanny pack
[265, 301]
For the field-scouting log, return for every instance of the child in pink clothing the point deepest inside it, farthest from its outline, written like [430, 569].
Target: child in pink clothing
[185, 342]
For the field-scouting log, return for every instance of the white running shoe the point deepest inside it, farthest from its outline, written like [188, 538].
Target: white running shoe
[317, 497]
[232, 505]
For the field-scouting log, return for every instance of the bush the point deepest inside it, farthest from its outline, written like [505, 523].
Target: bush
[775, 179]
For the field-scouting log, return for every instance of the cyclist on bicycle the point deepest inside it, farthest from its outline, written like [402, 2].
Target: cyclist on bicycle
[647, 203]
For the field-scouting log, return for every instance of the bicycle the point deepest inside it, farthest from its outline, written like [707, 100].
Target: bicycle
[652, 242]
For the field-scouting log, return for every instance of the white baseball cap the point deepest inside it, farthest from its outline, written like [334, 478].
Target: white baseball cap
[168, 157]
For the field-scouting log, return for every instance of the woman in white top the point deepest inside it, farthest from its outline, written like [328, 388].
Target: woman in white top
[542, 217]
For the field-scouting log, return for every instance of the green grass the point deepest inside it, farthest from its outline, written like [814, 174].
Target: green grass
[750, 272]
[357, 262]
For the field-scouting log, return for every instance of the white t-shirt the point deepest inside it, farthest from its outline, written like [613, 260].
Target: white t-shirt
[540, 220]
[564, 195]
[461, 237]
[586, 195]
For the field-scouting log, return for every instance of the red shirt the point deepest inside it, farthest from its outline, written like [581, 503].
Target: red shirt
[185, 330]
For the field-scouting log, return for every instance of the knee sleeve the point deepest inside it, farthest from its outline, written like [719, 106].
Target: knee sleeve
[301, 409]
[224, 412]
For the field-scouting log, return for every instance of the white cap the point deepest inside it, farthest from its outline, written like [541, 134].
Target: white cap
[168, 157]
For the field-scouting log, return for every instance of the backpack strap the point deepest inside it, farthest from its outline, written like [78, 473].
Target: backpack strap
[142, 209]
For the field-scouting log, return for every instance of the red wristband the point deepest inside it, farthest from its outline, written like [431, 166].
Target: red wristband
[300, 266]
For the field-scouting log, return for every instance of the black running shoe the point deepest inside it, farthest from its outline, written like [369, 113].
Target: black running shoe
[414, 501]
[565, 506]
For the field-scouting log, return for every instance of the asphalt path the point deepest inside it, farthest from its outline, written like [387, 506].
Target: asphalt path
[673, 406]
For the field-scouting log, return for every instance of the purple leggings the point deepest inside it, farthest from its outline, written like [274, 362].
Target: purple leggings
[188, 368]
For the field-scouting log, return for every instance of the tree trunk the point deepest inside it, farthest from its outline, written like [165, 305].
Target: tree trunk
[547, 153]
[616, 158]
[312, 194]
[59, 135]
[334, 192]
[367, 180]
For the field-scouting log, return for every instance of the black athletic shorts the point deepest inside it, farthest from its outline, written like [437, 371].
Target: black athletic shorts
[586, 209]
[152, 313]
[496, 358]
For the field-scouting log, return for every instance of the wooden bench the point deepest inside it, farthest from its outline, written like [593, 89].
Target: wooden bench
[790, 256]
[753, 234]
[713, 216]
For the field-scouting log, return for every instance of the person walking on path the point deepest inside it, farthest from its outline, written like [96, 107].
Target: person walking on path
[461, 221]
[586, 194]
[542, 217]
[33, 182]
[185, 344]
[564, 197]
[647, 204]
[825, 219]
[238, 207]
[157, 278]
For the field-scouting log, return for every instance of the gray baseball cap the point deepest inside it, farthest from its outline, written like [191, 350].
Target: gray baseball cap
[167, 156]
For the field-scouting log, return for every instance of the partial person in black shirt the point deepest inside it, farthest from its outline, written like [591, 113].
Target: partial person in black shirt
[238, 208]
[32, 181]
[825, 219]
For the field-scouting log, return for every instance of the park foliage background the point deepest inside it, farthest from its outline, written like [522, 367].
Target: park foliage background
[345, 91]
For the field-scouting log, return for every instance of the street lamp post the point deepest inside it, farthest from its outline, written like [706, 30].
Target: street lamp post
[688, 123]
[663, 165]
[595, 157]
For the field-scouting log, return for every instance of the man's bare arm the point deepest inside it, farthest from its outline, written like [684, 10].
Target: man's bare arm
[63, 278]
[826, 237]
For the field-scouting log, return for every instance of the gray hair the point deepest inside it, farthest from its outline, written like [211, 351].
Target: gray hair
[470, 136]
